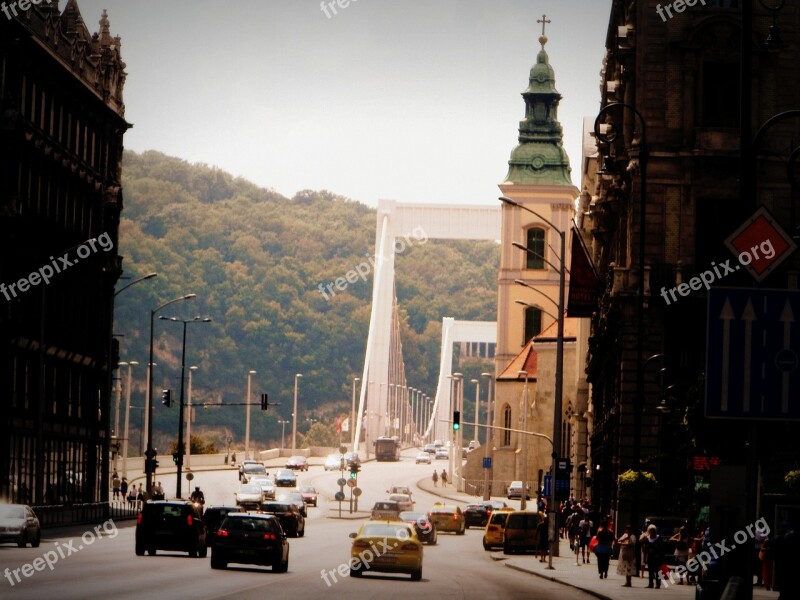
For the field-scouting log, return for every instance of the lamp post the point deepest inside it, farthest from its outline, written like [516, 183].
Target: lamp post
[489, 376]
[250, 374]
[130, 364]
[179, 463]
[297, 376]
[559, 375]
[189, 420]
[523, 503]
[607, 137]
[353, 415]
[150, 453]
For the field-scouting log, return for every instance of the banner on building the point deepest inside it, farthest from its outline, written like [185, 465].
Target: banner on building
[584, 284]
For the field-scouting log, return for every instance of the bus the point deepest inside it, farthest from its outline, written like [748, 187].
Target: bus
[387, 449]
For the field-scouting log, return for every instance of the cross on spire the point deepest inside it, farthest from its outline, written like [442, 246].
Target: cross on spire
[544, 21]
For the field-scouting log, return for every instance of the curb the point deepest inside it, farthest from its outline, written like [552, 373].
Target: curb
[555, 580]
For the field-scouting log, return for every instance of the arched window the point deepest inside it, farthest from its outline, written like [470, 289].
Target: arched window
[506, 425]
[533, 323]
[535, 244]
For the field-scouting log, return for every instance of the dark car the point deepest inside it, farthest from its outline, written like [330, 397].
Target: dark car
[297, 463]
[19, 524]
[214, 516]
[476, 515]
[309, 494]
[170, 525]
[426, 530]
[292, 522]
[252, 539]
[285, 478]
[295, 498]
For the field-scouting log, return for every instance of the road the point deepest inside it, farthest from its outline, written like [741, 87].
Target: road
[106, 566]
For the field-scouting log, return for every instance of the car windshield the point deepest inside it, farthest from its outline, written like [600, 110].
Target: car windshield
[498, 518]
[12, 511]
[412, 516]
[399, 498]
[308, 490]
[285, 473]
[385, 506]
[255, 468]
[250, 489]
[385, 530]
[276, 508]
[247, 524]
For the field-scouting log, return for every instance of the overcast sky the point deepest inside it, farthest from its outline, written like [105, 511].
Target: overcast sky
[411, 100]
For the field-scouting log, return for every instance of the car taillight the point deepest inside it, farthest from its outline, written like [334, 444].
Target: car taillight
[409, 547]
[189, 520]
[222, 533]
[270, 536]
[455, 516]
[139, 519]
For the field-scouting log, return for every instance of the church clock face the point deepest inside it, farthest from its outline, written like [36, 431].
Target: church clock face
[537, 162]
[541, 78]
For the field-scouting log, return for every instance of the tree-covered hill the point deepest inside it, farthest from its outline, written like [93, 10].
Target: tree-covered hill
[256, 260]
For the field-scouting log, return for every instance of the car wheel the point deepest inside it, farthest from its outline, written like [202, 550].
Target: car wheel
[22, 540]
[416, 575]
[203, 553]
[462, 530]
[37, 540]
[507, 550]
[139, 550]
[302, 532]
[217, 563]
[486, 546]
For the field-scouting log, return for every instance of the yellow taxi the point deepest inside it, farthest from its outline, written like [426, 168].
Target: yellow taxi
[522, 531]
[386, 547]
[447, 517]
[495, 526]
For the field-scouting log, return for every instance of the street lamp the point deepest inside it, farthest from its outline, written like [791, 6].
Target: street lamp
[179, 462]
[353, 415]
[559, 375]
[297, 376]
[523, 503]
[250, 374]
[607, 137]
[130, 364]
[490, 380]
[150, 453]
[189, 420]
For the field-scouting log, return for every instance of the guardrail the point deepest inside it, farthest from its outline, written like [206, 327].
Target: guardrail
[58, 515]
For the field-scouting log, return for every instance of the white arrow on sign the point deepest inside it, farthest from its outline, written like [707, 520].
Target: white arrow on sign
[749, 315]
[727, 316]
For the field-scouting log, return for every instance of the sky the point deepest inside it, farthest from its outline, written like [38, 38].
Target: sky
[413, 100]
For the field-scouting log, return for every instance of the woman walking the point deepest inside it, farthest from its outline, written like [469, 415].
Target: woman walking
[435, 478]
[626, 565]
[603, 550]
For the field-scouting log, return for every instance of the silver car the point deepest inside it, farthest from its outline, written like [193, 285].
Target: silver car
[249, 496]
[267, 485]
[18, 523]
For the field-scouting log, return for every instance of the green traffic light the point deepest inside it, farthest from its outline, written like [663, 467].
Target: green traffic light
[456, 426]
[352, 474]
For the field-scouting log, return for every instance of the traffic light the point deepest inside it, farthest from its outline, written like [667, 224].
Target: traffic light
[264, 402]
[456, 420]
[175, 457]
[166, 398]
[354, 469]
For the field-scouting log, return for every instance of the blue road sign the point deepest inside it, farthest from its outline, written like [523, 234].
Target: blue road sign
[753, 354]
[487, 462]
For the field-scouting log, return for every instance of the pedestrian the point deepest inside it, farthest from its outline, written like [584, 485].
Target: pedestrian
[158, 492]
[233, 458]
[653, 545]
[682, 541]
[573, 530]
[140, 497]
[123, 489]
[115, 486]
[543, 540]
[765, 554]
[132, 496]
[626, 565]
[444, 478]
[435, 478]
[584, 537]
[603, 550]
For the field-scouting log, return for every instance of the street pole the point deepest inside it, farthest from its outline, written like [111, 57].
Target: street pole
[353, 415]
[130, 364]
[297, 376]
[523, 503]
[250, 374]
[486, 493]
[476, 419]
[116, 416]
[189, 420]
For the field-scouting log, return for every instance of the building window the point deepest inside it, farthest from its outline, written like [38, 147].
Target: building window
[719, 96]
[533, 323]
[506, 425]
[535, 256]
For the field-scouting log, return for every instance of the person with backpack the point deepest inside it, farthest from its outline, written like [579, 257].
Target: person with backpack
[585, 527]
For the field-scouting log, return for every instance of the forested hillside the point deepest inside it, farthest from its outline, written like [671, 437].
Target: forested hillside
[256, 260]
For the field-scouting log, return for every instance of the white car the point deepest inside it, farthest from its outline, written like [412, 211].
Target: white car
[249, 496]
[335, 462]
[515, 490]
[424, 457]
[267, 485]
[404, 501]
[442, 454]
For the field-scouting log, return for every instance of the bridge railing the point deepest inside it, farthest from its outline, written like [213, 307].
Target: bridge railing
[57, 515]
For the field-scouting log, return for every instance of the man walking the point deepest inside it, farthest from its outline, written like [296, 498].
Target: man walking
[435, 478]
[444, 478]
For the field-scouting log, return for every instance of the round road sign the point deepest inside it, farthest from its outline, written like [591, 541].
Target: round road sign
[356, 492]
[351, 483]
[341, 482]
[189, 476]
[339, 496]
[342, 449]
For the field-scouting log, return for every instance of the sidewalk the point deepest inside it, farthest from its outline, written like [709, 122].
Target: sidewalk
[580, 576]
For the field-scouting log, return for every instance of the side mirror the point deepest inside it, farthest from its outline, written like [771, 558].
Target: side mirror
[353, 535]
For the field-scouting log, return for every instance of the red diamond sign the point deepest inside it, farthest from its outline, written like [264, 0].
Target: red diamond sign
[760, 244]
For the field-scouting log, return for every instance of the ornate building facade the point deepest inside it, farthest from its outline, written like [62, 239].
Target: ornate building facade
[61, 129]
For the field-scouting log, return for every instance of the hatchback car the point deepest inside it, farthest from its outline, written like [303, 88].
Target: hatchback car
[170, 525]
[403, 550]
[493, 534]
[423, 458]
[267, 486]
[386, 509]
[515, 490]
[442, 454]
[18, 523]
[297, 463]
[285, 478]
[426, 530]
[292, 522]
[448, 518]
[214, 516]
[404, 501]
[251, 469]
[475, 515]
[249, 495]
[295, 498]
[309, 494]
[522, 531]
[251, 539]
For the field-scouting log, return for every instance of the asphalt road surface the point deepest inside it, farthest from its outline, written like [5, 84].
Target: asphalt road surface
[102, 564]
